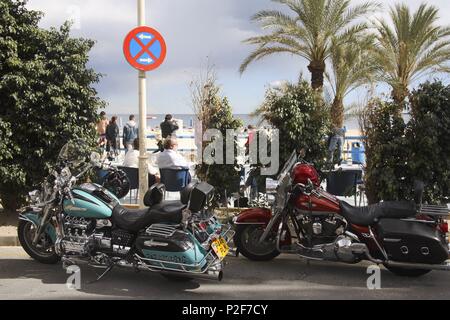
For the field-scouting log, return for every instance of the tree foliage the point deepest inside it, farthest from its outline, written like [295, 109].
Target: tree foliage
[301, 118]
[309, 32]
[399, 153]
[428, 137]
[410, 46]
[352, 66]
[46, 97]
[218, 114]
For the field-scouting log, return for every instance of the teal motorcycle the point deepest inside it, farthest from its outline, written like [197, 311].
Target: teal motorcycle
[86, 224]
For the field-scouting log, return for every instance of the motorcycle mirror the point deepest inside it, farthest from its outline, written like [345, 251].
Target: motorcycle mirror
[95, 157]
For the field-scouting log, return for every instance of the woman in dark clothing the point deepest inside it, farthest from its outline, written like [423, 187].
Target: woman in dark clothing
[112, 137]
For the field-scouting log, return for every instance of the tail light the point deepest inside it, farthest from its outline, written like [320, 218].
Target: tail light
[444, 227]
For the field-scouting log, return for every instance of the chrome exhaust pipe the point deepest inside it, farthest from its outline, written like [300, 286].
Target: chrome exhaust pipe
[213, 275]
[442, 267]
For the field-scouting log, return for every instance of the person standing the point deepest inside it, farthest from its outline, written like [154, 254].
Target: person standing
[130, 133]
[168, 127]
[112, 135]
[336, 141]
[101, 125]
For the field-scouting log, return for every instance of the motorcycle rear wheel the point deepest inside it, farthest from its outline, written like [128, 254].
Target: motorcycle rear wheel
[44, 251]
[246, 240]
[412, 273]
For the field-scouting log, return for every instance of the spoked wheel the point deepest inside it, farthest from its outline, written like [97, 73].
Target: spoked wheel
[44, 250]
[247, 241]
[403, 272]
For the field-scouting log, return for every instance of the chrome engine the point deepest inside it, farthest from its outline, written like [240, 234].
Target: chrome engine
[78, 232]
[88, 237]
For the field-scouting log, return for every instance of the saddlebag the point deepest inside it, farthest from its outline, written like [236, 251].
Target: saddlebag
[166, 247]
[413, 242]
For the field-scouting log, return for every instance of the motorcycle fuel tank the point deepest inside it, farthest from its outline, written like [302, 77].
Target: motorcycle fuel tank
[315, 204]
[90, 201]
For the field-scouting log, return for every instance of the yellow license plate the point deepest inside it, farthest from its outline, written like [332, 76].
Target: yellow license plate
[220, 247]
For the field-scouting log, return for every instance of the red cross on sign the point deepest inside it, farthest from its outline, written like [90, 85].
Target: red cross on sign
[144, 48]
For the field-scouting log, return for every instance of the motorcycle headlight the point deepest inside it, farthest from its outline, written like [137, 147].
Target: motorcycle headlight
[66, 174]
[34, 196]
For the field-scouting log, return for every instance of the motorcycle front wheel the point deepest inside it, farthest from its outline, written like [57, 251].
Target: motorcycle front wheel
[43, 251]
[247, 242]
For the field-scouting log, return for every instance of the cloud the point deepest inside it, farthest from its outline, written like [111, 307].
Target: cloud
[195, 30]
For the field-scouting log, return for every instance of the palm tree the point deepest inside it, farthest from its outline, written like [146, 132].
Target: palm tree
[352, 66]
[309, 33]
[410, 47]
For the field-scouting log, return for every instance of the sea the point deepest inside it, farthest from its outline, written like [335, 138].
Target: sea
[189, 119]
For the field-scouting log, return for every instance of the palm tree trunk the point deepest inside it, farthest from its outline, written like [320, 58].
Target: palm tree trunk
[399, 95]
[317, 69]
[337, 113]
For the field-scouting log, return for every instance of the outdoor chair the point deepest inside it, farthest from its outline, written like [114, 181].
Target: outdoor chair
[133, 176]
[344, 183]
[175, 180]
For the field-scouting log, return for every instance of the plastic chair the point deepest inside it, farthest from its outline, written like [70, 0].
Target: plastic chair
[344, 183]
[175, 180]
[133, 176]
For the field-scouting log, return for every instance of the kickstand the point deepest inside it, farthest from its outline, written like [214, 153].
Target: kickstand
[103, 274]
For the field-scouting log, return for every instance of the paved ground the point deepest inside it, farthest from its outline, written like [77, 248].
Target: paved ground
[287, 277]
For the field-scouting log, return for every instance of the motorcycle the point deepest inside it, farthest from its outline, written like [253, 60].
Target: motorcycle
[408, 238]
[86, 224]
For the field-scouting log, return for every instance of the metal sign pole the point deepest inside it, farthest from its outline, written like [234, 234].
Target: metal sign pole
[143, 156]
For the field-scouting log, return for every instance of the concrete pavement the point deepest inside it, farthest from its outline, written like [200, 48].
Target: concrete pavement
[287, 277]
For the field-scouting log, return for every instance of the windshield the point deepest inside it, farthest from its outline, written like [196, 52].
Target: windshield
[284, 181]
[75, 153]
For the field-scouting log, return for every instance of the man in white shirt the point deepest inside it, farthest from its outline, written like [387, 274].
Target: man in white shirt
[132, 160]
[170, 158]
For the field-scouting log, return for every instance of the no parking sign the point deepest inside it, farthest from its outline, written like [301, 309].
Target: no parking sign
[144, 48]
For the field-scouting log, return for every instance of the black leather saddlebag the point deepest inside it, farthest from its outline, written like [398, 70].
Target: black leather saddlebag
[412, 242]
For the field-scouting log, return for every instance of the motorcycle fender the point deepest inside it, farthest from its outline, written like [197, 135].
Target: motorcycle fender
[254, 216]
[34, 218]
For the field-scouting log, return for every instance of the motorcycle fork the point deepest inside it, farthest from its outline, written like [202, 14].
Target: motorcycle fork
[40, 227]
[269, 227]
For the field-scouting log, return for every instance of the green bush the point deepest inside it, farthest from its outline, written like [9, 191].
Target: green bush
[399, 153]
[302, 119]
[428, 136]
[46, 97]
[223, 177]
[387, 173]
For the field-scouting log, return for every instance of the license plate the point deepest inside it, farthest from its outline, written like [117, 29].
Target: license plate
[220, 247]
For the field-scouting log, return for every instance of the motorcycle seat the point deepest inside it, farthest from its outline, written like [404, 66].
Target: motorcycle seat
[366, 216]
[136, 220]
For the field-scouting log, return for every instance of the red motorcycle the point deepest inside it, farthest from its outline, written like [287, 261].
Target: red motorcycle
[409, 239]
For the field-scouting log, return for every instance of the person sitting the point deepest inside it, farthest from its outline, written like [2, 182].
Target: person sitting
[170, 158]
[132, 161]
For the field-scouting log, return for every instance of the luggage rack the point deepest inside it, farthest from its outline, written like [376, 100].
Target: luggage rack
[434, 210]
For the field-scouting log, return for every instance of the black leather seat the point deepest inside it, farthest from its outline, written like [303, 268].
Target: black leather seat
[366, 216]
[135, 220]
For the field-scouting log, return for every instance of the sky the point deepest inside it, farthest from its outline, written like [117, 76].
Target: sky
[197, 32]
